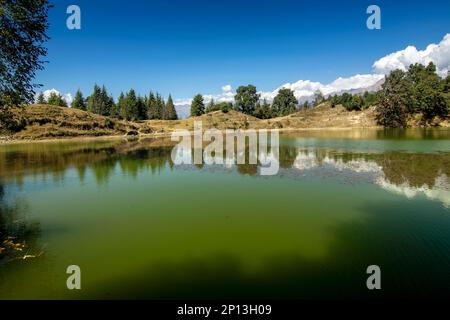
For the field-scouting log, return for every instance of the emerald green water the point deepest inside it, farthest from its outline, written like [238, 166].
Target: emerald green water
[140, 227]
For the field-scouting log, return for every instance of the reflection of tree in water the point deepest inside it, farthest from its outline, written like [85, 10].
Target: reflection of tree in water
[17, 237]
[414, 169]
[154, 155]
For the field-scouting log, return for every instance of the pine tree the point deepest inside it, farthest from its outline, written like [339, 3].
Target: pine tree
[132, 108]
[93, 102]
[78, 101]
[55, 99]
[197, 106]
[122, 106]
[41, 99]
[151, 107]
[142, 108]
[170, 112]
[210, 107]
[159, 106]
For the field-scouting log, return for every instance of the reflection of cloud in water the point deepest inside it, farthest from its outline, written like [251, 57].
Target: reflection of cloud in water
[440, 191]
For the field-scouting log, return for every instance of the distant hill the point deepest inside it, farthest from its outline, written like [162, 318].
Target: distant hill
[51, 122]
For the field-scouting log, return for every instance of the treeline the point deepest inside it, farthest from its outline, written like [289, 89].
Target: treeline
[248, 101]
[419, 90]
[354, 102]
[129, 106]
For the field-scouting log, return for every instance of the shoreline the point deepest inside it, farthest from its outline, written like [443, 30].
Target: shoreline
[7, 140]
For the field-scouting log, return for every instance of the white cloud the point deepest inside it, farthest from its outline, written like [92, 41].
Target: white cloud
[227, 88]
[304, 89]
[439, 54]
[67, 97]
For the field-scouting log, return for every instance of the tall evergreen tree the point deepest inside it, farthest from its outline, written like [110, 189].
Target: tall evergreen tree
[94, 100]
[142, 108]
[122, 106]
[78, 101]
[197, 106]
[159, 106]
[55, 99]
[151, 107]
[170, 112]
[41, 99]
[132, 107]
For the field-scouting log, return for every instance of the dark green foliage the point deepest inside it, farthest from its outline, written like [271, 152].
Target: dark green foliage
[55, 99]
[169, 110]
[197, 106]
[41, 99]
[23, 26]
[246, 99]
[131, 111]
[263, 111]
[354, 102]
[159, 106]
[100, 102]
[151, 107]
[78, 101]
[395, 101]
[221, 106]
[419, 90]
[284, 103]
[108, 123]
[305, 105]
[211, 107]
[318, 97]
[427, 95]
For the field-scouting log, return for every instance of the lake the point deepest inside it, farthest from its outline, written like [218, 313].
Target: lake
[141, 227]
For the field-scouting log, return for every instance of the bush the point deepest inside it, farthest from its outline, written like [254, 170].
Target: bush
[108, 123]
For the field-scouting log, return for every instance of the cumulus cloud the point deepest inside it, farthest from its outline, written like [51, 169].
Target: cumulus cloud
[67, 97]
[439, 54]
[304, 90]
[227, 95]
[227, 88]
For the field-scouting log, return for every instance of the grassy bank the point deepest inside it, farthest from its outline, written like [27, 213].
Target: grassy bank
[45, 122]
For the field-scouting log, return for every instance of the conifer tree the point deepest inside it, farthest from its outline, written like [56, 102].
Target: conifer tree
[197, 106]
[159, 106]
[41, 99]
[78, 101]
[132, 108]
[122, 106]
[55, 99]
[170, 112]
[151, 107]
[93, 102]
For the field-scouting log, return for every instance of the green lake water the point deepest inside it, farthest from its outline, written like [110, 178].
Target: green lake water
[140, 227]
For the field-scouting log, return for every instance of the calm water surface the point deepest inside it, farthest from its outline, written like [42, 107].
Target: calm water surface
[140, 227]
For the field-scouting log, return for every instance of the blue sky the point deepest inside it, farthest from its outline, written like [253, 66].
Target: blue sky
[188, 47]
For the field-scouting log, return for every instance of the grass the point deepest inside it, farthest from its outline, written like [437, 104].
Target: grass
[50, 122]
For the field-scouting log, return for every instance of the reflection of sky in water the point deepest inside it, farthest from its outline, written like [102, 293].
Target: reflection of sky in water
[308, 159]
[319, 160]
